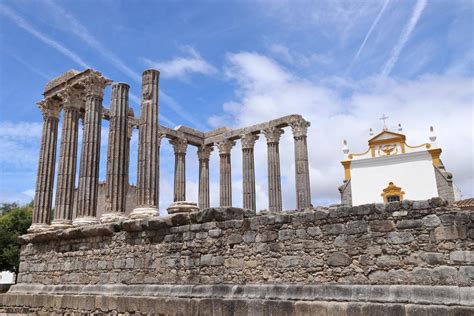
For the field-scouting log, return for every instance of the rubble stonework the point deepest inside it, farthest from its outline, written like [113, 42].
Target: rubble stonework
[406, 244]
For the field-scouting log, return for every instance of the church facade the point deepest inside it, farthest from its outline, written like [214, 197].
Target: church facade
[391, 170]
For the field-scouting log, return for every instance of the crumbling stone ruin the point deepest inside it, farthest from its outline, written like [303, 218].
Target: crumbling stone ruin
[401, 258]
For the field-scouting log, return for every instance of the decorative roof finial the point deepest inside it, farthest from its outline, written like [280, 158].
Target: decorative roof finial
[432, 136]
[371, 132]
[345, 149]
[400, 127]
[383, 118]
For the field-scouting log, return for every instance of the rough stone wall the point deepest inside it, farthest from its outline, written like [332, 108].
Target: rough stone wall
[422, 242]
[444, 183]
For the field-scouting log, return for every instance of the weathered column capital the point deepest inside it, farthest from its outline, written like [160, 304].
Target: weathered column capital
[94, 84]
[248, 141]
[50, 108]
[273, 134]
[225, 146]
[204, 152]
[72, 98]
[179, 145]
[300, 128]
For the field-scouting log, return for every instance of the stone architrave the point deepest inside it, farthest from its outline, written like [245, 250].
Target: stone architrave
[248, 170]
[148, 148]
[46, 163]
[87, 193]
[117, 181]
[179, 145]
[225, 172]
[72, 99]
[303, 190]
[273, 135]
[204, 153]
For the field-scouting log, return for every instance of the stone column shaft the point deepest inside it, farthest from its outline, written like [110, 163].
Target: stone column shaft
[274, 179]
[225, 172]
[179, 146]
[117, 155]
[72, 100]
[204, 153]
[46, 164]
[87, 193]
[148, 143]
[303, 190]
[248, 171]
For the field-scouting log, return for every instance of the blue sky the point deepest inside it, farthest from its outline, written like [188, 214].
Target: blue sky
[341, 64]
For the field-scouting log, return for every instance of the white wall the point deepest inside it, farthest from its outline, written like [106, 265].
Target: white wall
[413, 172]
[6, 277]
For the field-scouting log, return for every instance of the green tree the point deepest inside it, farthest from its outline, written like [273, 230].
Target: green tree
[14, 222]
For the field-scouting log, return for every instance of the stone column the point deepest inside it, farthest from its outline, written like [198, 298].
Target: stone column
[303, 190]
[274, 180]
[248, 171]
[72, 102]
[116, 181]
[179, 146]
[148, 153]
[46, 164]
[225, 171]
[204, 152]
[127, 154]
[87, 193]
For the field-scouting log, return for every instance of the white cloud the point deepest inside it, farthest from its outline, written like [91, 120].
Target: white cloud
[182, 67]
[265, 91]
[409, 27]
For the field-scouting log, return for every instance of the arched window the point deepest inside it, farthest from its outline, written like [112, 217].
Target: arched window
[392, 193]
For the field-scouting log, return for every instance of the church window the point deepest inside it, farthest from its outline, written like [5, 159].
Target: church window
[392, 193]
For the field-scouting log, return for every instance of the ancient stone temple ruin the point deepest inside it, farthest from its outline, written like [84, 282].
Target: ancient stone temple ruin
[120, 256]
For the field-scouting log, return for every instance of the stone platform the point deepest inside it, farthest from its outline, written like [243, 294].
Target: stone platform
[408, 258]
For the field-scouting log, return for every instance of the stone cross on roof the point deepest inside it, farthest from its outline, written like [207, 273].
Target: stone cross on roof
[384, 123]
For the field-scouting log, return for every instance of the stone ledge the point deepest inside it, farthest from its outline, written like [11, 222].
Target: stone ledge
[406, 294]
[224, 214]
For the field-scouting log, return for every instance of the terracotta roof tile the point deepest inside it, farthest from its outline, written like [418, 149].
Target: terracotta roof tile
[465, 203]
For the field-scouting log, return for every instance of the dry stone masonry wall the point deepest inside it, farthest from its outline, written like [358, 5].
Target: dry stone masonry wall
[400, 243]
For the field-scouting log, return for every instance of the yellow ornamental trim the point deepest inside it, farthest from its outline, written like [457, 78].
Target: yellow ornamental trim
[392, 191]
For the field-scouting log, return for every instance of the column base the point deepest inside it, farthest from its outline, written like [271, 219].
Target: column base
[38, 228]
[113, 217]
[61, 224]
[182, 207]
[142, 212]
[86, 220]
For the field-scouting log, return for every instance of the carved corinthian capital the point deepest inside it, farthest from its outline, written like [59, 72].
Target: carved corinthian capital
[94, 84]
[179, 145]
[273, 134]
[225, 146]
[50, 107]
[300, 128]
[72, 98]
[248, 141]
[204, 152]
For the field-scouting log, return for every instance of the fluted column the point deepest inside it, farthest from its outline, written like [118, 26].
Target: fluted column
[127, 154]
[248, 170]
[46, 163]
[72, 102]
[204, 152]
[179, 146]
[225, 171]
[303, 190]
[117, 155]
[148, 152]
[87, 193]
[274, 179]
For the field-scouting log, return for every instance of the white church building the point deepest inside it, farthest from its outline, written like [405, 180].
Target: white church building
[391, 170]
